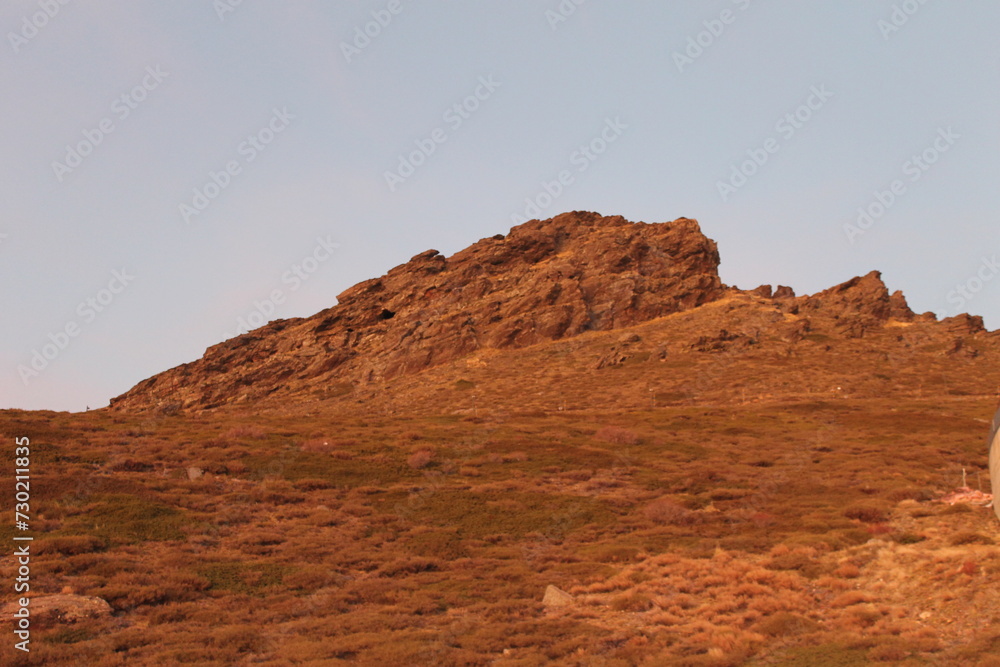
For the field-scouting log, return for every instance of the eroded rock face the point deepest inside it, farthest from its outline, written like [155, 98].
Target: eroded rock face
[858, 305]
[544, 280]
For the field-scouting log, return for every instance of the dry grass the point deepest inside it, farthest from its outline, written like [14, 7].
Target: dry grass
[691, 527]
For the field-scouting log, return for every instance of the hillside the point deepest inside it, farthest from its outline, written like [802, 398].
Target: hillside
[570, 445]
[539, 301]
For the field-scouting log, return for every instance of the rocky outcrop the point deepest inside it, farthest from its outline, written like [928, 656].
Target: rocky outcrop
[859, 305]
[63, 608]
[545, 280]
[556, 597]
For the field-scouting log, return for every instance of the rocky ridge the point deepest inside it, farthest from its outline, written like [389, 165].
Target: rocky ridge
[546, 280]
[543, 281]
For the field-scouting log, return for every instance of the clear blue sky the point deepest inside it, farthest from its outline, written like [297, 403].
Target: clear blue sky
[308, 118]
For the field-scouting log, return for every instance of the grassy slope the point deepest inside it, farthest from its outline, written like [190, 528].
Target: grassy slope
[764, 503]
[712, 534]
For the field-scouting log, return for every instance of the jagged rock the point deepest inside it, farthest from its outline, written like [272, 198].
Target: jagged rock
[899, 309]
[612, 359]
[795, 331]
[859, 305]
[620, 352]
[964, 324]
[546, 280]
[724, 341]
[543, 281]
[958, 347]
[865, 295]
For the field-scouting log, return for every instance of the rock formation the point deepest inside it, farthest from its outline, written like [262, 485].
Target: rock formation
[544, 280]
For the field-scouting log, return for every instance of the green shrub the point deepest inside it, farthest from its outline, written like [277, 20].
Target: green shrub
[123, 519]
[240, 577]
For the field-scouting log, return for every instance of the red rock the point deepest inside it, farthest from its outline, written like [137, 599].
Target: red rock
[544, 280]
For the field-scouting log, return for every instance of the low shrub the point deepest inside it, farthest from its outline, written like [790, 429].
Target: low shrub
[632, 602]
[242, 577]
[617, 436]
[420, 458]
[786, 624]
[866, 513]
[124, 519]
[71, 546]
[665, 511]
[969, 537]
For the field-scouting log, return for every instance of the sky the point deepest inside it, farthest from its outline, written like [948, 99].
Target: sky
[175, 173]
